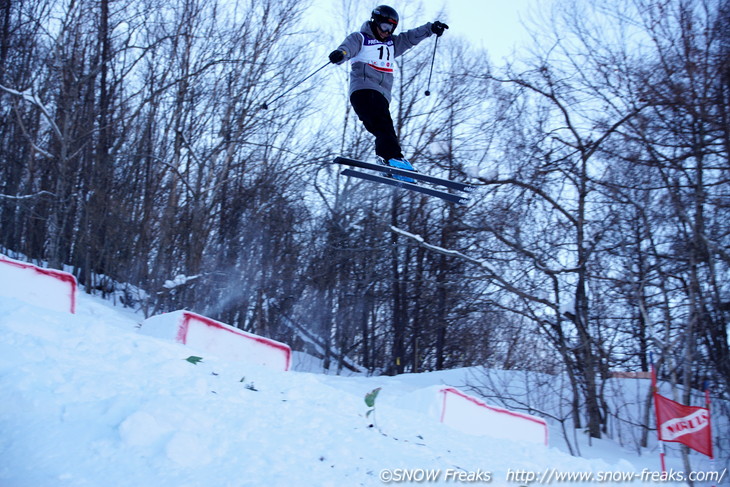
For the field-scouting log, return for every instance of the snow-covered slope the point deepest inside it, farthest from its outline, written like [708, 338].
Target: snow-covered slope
[86, 400]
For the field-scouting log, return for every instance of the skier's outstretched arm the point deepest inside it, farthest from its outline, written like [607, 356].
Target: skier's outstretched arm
[348, 49]
[409, 38]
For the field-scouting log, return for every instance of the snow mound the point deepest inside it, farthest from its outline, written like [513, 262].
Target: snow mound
[88, 401]
[48, 288]
[207, 335]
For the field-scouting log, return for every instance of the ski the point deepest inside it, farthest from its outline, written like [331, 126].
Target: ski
[453, 198]
[447, 183]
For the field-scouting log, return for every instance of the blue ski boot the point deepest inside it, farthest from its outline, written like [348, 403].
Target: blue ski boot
[401, 163]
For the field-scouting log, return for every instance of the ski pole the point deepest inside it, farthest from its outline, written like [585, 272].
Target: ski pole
[433, 58]
[265, 105]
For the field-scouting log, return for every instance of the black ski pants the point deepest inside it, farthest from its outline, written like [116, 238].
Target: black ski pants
[374, 111]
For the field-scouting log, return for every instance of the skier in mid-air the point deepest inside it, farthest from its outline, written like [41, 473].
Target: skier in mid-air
[372, 52]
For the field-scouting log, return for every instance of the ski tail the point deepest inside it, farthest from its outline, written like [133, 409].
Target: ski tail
[393, 171]
[444, 195]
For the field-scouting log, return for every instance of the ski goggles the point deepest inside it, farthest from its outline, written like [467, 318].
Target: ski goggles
[386, 26]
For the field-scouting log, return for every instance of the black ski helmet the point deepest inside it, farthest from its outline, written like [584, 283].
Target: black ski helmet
[385, 14]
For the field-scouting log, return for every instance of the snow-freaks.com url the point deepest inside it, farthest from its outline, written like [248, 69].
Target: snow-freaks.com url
[555, 476]
[545, 477]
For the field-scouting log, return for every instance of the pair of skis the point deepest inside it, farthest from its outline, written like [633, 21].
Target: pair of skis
[387, 173]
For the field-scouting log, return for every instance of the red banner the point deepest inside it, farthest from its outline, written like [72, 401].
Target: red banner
[689, 425]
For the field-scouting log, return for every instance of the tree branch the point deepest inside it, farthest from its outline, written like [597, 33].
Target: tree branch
[490, 272]
[26, 196]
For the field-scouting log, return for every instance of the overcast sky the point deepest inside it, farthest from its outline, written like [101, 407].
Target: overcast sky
[491, 24]
[494, 25]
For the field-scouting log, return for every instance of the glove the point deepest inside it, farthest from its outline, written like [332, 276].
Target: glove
[438, 28]
[337, 56]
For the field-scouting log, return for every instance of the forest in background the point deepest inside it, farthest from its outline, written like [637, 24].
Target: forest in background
[134, 148]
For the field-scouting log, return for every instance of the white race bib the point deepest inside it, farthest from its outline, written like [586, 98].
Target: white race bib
[378, 54]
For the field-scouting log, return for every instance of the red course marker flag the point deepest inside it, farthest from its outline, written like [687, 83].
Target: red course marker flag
[689, 425]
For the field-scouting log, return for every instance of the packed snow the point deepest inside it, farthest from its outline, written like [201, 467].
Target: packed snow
[88, 400]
